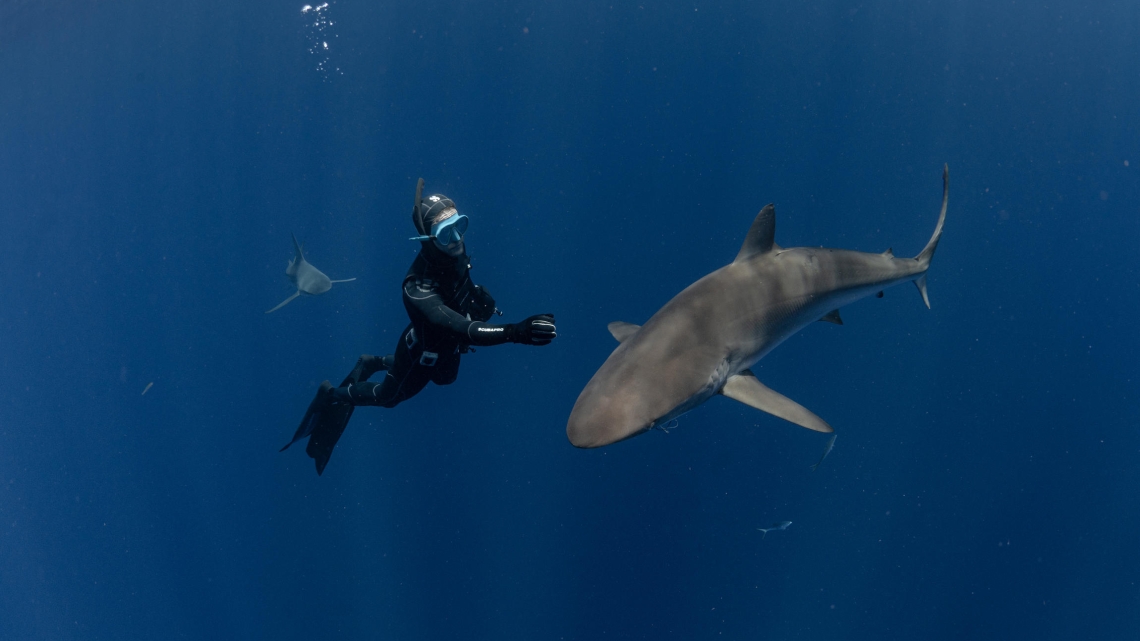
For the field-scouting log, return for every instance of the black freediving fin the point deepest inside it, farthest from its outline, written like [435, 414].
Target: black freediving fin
[326, 433]
[312, 416]
[324, 422]
[328, 429]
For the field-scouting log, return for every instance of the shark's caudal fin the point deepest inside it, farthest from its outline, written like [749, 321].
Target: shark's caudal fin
[285, 302]
[744, 387]
[928, 252]
[920, 283]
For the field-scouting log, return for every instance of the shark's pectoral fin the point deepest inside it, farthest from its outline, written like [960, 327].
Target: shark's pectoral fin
[832, 317]
[621, 331]
[920, 283]
[761, 235]
[285, 302]
[744, 387]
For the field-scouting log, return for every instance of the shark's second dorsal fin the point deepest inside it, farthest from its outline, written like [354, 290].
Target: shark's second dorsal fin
[832, 317]
[744, 387]
[761, 235]
[621, 331]
[889, 253]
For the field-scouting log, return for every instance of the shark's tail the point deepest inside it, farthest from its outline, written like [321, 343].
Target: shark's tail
[927, 253]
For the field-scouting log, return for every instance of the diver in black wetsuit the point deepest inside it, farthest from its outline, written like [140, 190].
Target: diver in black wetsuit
[449, 314]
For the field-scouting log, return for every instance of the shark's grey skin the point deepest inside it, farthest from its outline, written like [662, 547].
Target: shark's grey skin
[703, 341]
[308, 279]
[826, 451]
[778, 527]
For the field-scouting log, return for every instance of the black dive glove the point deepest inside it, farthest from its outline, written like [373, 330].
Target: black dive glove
[536, 330]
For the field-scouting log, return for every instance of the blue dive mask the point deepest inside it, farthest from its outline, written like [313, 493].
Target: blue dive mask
[447, 231]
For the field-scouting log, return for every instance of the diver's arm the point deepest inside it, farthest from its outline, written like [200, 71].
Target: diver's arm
[535, 330]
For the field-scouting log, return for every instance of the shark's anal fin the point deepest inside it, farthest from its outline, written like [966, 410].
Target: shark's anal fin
[832, 317]
[621, 331]
[920, 283]
[761, 236]
[285, 302]
[744, 387]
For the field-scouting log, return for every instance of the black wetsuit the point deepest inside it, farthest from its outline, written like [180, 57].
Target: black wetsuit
[448, 313]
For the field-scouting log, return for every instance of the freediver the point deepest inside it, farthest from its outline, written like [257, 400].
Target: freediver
[448, 313]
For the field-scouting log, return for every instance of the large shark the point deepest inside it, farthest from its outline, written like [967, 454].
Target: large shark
[308, 279]
[703, 341]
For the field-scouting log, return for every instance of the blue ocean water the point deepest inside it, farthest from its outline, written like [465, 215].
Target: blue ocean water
[155, 157]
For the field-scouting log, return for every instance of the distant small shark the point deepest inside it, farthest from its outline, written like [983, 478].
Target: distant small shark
[308, 279]
[778, 527]
[826, 451]
[703, 342]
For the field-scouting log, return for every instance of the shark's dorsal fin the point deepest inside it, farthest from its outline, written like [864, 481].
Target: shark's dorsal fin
[621, 331]
[297, 248]
[889, 253]
[832, 317]
[761, 235]
[744, 387]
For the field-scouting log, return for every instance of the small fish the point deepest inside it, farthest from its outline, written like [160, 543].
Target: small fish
[147, 388]
[826, 451]
[781, 526]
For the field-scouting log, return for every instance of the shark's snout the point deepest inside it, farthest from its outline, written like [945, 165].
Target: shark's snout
[604, 416]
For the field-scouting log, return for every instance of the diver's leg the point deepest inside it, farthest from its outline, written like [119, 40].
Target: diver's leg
[366, 366]
[392, 391]
[330, 412]
[405, 378]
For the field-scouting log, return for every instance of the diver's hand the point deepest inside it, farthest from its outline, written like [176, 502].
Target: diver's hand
[536, 330]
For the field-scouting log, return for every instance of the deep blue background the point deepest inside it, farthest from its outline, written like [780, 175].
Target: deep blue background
[154, 158]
